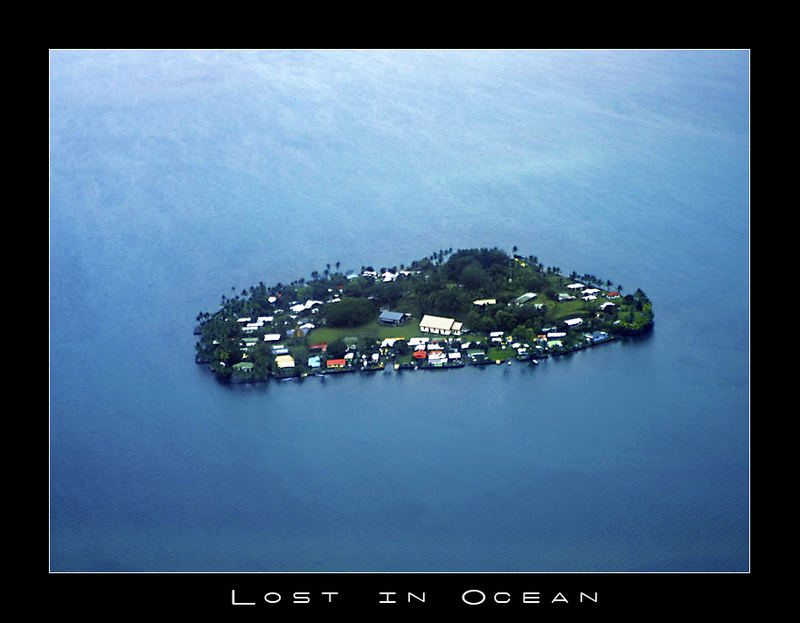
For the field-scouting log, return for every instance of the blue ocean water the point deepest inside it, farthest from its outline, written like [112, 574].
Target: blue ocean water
[178, 175]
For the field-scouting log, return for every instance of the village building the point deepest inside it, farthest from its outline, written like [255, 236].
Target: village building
[388, 317]
[284, 361]
[483, 302]
[437, 358]
[574, 322]
[521, 300]
[440, 325]
[596, 337]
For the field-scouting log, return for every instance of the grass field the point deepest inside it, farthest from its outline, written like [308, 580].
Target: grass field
[371, 329]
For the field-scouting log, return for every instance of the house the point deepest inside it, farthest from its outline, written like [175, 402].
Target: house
[420, 354]
[284, 361]
[562, 296]
[606, 305]
[575, 286]
[272, 337]
[573, 322]
[318, 348]
[476, 354]
[438, 324]
[243, 366]
[596, 337]
[393, 318]
[336, 363]
[314, 362]
[612, 295]
[437, 358]
[520, 300]
[482, 302]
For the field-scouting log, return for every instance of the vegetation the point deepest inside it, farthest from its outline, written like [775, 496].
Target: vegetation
[341, 311]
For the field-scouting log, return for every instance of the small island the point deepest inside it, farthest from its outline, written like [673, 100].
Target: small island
[468, 307]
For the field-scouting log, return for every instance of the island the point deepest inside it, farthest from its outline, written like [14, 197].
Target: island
[454, 308]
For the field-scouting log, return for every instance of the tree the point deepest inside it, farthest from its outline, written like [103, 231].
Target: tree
[350, 312]
[336, 349]
[473, 276]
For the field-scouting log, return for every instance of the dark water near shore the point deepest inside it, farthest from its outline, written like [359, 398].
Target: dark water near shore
[176, 176]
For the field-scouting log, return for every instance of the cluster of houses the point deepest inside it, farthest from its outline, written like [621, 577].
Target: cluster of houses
[428, 352]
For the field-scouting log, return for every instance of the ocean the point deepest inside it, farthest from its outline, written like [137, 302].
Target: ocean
[179, 176]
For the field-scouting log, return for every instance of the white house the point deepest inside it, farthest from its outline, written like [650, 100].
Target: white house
[573, 322]
[437, 324]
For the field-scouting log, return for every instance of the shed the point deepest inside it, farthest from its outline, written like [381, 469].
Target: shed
[392, 317]
[524, 298]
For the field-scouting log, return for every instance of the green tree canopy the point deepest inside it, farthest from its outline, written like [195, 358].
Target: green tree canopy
[350, 312]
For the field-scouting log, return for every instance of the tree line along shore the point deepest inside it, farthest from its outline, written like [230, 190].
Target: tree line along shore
[453, 308]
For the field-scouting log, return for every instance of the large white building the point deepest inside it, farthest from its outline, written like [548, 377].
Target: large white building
[442, 326]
